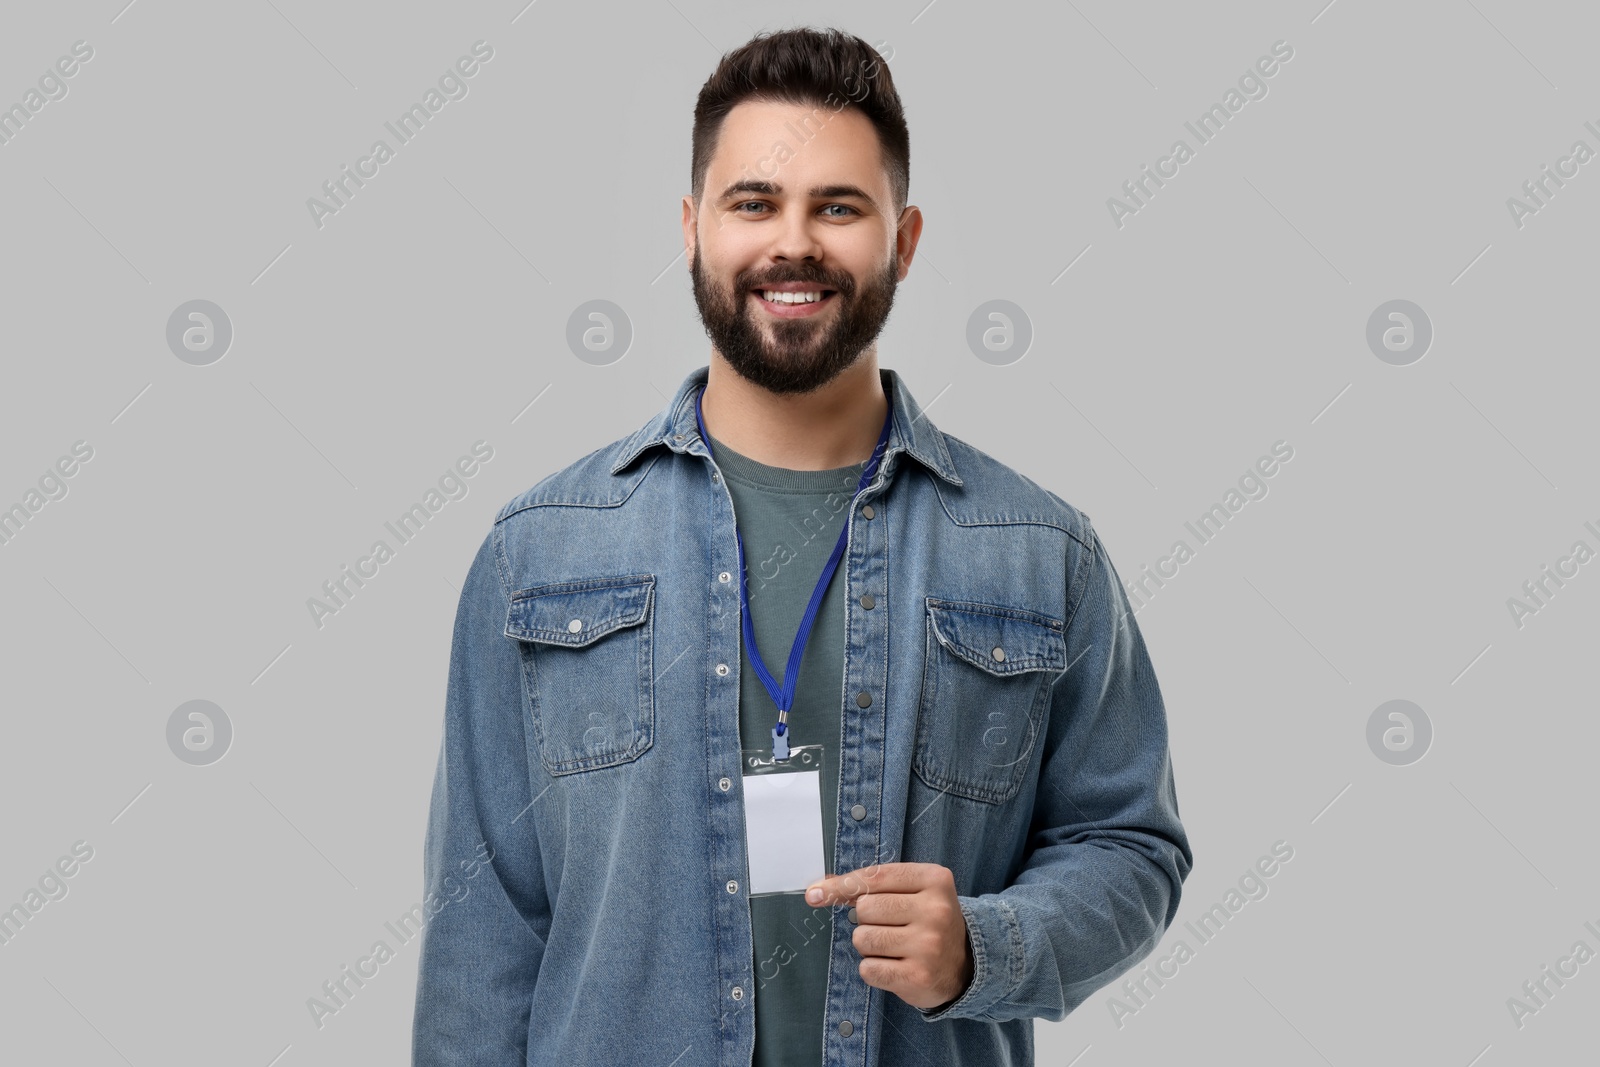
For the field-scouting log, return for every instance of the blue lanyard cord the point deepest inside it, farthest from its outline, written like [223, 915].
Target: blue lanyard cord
[784, 696]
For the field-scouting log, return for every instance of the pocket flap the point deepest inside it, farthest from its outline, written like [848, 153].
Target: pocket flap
[578, 613]
[999, 639]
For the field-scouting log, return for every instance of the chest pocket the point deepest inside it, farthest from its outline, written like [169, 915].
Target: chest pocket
[587, 666]
[986, 675]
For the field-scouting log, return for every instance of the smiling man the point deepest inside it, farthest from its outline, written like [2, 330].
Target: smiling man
[788, 636]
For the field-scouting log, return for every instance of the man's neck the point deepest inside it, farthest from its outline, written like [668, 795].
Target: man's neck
[835, 426]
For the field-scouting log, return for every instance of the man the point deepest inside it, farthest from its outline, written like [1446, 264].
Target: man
[789, 635]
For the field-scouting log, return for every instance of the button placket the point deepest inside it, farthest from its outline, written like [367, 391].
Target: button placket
[739, 914]
[864, 571]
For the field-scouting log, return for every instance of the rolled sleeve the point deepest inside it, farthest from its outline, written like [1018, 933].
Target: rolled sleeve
[995, 937]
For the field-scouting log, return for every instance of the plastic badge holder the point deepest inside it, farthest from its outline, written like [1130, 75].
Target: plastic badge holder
[783, 819]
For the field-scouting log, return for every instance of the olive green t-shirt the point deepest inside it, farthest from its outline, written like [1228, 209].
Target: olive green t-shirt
[789, 521]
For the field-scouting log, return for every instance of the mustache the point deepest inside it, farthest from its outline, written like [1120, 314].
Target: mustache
[845, 285]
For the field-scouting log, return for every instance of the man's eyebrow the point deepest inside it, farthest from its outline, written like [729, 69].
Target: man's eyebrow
[756, 187]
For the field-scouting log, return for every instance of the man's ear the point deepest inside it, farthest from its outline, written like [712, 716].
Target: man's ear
[691, 220]
[907, 234]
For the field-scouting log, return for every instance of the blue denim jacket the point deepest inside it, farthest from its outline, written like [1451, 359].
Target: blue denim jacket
[585, 856]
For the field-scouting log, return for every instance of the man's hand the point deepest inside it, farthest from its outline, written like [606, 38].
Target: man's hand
[910, 931]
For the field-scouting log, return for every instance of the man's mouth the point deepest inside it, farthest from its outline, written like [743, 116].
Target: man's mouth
[796, 303]
[799, 296]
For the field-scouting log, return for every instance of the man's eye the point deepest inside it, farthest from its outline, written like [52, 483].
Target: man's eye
[739, 209]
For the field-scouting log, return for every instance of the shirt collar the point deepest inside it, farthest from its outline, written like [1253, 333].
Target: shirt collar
[910, 430]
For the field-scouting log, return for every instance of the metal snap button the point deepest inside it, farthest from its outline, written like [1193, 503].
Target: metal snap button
[733, 886]
[846, 1028]
[722, 669]
[724, 577]
[863, 699]
[868, 601]
[999, 654]
[738, 992]
[858, 812]
[574, 626]
[725, 784]
[866, 511]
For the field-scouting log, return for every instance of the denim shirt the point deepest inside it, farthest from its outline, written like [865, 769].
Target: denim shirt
[585, 860]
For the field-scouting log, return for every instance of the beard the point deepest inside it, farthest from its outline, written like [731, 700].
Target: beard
[793, 355]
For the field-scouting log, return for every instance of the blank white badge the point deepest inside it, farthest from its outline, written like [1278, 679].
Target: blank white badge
[783, 830]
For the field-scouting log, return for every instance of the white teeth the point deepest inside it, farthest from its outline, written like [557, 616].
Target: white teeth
[791, 298]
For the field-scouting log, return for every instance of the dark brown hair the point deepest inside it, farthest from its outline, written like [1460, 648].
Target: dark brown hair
[824, 68]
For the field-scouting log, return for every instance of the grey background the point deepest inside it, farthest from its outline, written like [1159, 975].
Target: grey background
[431, 312]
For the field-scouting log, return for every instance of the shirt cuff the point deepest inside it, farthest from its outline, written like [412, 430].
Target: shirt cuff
[996, 942]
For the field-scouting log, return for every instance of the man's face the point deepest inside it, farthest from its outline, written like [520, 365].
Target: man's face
[796, 197]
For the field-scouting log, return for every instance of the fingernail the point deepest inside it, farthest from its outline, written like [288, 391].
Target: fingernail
[814, 894]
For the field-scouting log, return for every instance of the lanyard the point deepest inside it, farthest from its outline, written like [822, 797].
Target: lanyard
[784, 696]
